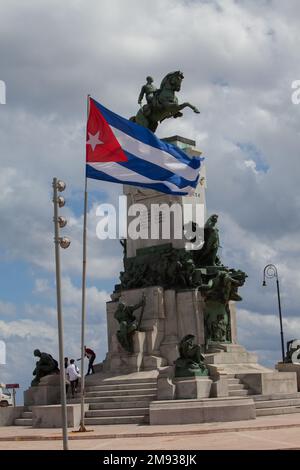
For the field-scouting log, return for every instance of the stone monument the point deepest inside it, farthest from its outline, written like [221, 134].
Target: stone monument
[172, 317]
[189, 294]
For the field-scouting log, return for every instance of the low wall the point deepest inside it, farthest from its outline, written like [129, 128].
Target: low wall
[8, 414]
[289, 367]
[50, 416]
[270, 383]
[201, 411]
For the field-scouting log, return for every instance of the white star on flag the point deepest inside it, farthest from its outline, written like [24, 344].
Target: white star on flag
[94, 140]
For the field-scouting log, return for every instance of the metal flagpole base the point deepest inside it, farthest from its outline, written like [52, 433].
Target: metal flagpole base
[82, 428]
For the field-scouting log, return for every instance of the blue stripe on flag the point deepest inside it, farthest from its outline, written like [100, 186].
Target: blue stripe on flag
[100, 175]
[155, 172]
[146, 136]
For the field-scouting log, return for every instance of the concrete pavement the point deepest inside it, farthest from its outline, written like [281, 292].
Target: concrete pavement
[270, 432]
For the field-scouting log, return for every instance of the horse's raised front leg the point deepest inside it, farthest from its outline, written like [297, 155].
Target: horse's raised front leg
[188, 105]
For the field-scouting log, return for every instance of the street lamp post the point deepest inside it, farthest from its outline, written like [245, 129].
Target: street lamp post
[270, 272]
[60, 242]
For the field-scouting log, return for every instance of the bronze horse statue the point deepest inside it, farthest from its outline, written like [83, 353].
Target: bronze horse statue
[164, 103]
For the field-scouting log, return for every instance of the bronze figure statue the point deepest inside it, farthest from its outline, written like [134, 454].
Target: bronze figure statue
[219, 329]
[46, 365]
[225, 285]
[161, 103]
[190, 361]
[147, 90]
[207, 255]
[128, 323]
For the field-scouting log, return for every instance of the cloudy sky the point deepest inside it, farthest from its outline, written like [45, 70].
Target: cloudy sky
[239, 59]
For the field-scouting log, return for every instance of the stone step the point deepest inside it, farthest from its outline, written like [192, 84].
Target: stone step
[277, 403]
[74, 401]
[238, 393]
[226, 348]
[148, 397]
[27, 414]
[237, 387]
[121, 381]
[119, 405]
[280, 410]
[233, 381]
[116, 412]
[23, 422]
[138, 419]
[121, 392]
[278, 396]
[127, 386]
[221, 359]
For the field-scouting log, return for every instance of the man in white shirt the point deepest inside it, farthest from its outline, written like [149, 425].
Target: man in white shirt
[73, 375]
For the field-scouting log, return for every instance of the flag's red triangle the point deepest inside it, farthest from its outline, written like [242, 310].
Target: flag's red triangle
[101, 143]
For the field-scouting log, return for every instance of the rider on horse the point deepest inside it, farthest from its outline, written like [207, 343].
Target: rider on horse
[161, 103]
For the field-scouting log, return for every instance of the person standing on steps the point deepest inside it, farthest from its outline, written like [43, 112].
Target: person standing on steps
[73, 375]
[89, 353]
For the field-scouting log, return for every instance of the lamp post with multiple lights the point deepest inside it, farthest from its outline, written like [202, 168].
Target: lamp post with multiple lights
[270, 272]
[60, 242]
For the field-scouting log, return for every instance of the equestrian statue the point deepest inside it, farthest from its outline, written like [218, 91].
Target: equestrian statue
[161, 103]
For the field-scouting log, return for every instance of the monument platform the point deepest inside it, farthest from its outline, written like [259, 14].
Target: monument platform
[202, 411]
[129, 399]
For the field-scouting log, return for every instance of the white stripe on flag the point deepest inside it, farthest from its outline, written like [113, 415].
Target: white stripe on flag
[153, 155]
[124, 174]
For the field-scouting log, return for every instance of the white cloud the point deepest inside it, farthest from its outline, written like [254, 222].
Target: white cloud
[261, 334]
[26, 328]
[37, 328]
[252, 165]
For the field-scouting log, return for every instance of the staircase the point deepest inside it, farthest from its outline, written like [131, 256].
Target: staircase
[267, 406]
[25, 420]
[126, 401]
[120, 401]
[236, 388]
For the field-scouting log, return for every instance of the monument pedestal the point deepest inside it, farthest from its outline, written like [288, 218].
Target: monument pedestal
[50, 416]
[289, 367]
[192, 387]
[230, 358]
[47, 392]
[168, 316]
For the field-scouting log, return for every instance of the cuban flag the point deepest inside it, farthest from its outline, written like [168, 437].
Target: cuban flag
[121, 151]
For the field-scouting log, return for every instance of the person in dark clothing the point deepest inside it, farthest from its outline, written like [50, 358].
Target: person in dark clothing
[66, 362]
[89, 353]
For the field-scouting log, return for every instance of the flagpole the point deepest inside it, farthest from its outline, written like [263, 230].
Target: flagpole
[83, 302]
